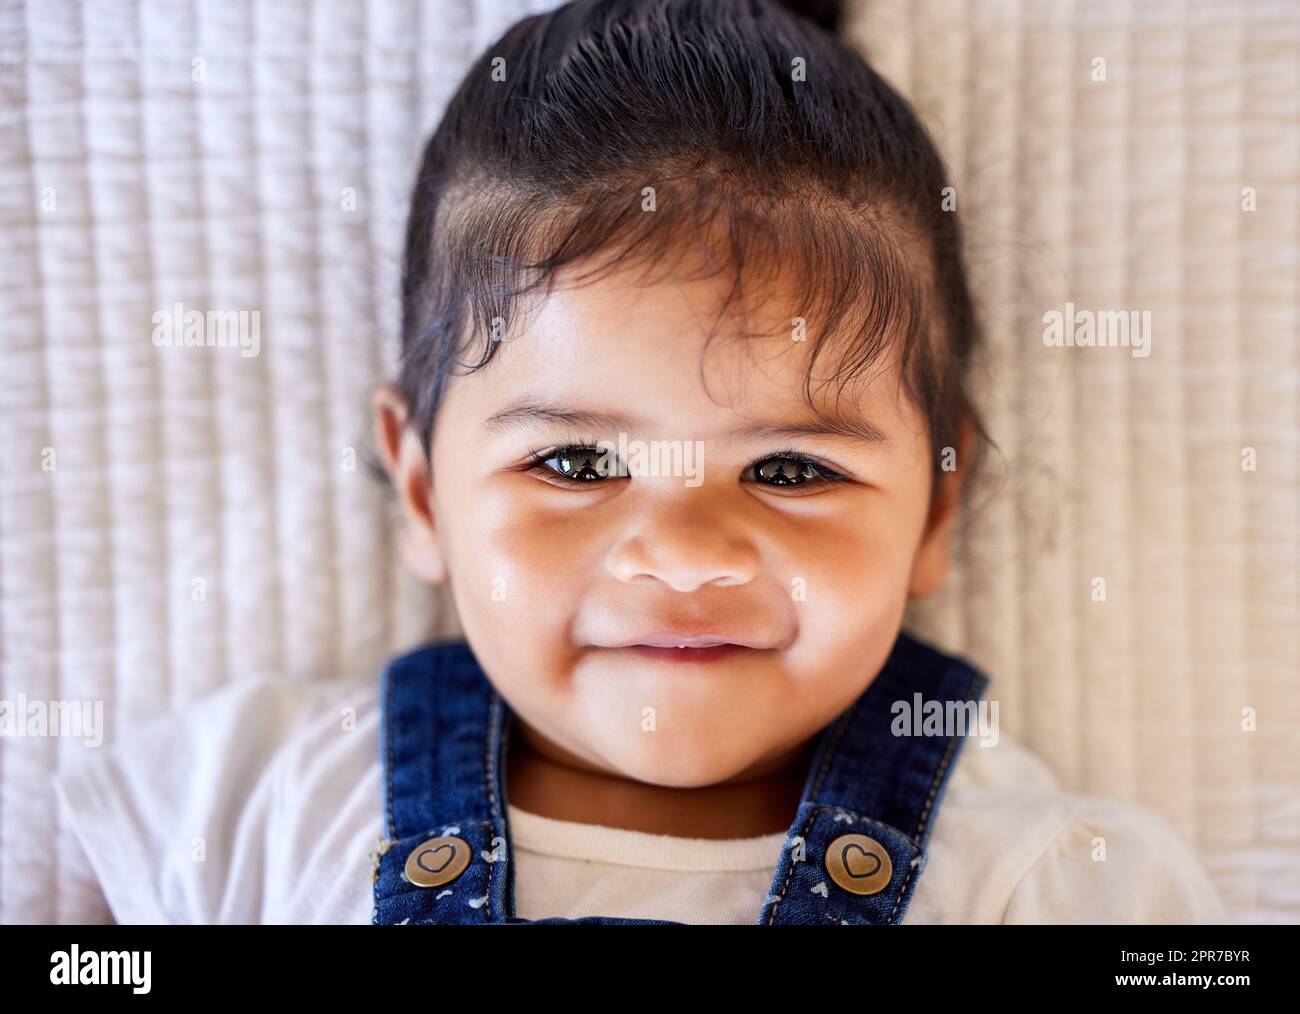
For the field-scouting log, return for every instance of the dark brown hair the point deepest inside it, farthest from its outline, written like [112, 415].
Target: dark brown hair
[759, 132]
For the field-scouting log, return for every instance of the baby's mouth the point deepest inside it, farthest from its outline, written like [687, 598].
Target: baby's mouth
[688, 654]
[691, 643]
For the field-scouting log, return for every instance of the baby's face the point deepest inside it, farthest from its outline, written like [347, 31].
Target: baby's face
[554, 577]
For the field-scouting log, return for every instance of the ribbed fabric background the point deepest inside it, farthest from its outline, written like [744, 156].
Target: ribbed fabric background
[209, 516]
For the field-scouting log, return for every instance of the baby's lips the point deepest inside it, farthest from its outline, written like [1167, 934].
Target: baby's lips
[665, 638]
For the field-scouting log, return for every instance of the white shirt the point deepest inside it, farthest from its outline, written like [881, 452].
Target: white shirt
[263, 803]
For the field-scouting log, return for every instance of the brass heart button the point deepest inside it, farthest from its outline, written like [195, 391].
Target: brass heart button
[437, 861]
[859, 864]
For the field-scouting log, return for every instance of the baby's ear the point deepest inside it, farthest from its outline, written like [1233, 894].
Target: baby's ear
[934, 554]
[408, 469]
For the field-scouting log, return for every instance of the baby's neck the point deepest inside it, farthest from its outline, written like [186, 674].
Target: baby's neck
[543, 783]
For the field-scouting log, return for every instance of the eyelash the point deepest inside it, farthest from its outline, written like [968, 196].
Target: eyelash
[537, 458]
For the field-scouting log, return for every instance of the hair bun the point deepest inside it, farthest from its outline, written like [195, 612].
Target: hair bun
[825, 13]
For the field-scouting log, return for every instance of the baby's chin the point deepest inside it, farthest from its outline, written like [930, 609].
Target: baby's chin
[710, 757]
[684, 729]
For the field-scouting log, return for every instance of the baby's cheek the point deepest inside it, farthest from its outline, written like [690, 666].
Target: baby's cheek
[529, 563]
[511, 581]
[849, 584]
[845, 563]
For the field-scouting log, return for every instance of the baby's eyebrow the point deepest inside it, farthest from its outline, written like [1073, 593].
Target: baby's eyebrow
[524, 413]
[531, 412]
[854, 429]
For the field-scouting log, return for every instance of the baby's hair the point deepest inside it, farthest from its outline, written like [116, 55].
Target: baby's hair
[757, 131]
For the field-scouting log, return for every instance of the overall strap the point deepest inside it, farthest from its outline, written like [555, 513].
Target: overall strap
[444, 858]
[857, 845]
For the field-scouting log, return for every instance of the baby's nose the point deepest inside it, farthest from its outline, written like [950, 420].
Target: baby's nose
[686, 550]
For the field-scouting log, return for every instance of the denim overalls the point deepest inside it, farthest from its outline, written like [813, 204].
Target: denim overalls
[852, 855]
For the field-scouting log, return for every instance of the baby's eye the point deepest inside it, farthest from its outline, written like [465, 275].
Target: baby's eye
[578, 464]
[791, 470]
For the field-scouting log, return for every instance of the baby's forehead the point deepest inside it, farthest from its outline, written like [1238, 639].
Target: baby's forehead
[667, 312]
[624, 354]
[661, 312]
